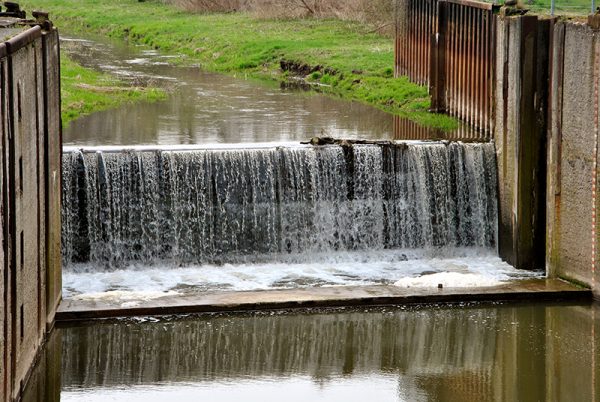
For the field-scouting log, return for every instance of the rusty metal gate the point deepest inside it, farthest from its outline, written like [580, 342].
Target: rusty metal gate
[449, 44]
[416, 23]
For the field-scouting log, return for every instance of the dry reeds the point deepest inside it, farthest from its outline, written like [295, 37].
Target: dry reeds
[380, 13]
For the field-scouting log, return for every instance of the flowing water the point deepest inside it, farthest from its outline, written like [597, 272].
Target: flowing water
[207, 108]
[277, 217]
[463, 353]
[242, 205]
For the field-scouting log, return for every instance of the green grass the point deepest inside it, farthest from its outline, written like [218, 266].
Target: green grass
[569, 8]
[562, 7]
[361, 62]
[85, 91]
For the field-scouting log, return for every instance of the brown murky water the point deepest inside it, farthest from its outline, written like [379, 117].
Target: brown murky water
[206, 108]
[210, 108]
[464, 353]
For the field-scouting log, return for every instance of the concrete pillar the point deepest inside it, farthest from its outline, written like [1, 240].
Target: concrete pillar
[572, 235]
[520, 139]
[52, 172]
[4, 339]
[30, 153]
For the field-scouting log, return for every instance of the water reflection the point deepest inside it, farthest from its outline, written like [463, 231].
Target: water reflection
[498, 353]
[211, 108]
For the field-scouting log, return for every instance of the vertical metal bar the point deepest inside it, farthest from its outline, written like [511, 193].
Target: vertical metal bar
[415, 43]
[477, 61]
[487, 43]
[480, 38]
[455, 36]
[424, 42]
[430, 31]
[449, 55]
[477, 68]
[482, 83]
[470, 64]
[465, 64]
[462, 75]
[456, 59]
[421, 16]
[492, 73]
[406, 39]
[448, 51]
[482, 60]
[438, 61]
[410, 29]
[409, 34]
[469, 76]
[413, 35]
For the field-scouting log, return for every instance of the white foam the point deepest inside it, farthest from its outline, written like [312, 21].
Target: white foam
[449, 280]
[125, 295]
[140, 282]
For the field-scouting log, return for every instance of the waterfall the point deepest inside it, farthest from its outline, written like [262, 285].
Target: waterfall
[293, 203]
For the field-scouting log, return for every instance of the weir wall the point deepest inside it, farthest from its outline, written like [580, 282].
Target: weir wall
[30, 148]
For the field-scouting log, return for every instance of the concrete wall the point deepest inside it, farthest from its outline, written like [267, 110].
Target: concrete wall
[30, 214]
[572, 236]
[520, 125]
[4, 279]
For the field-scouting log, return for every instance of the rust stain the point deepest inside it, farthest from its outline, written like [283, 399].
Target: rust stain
[460, 67]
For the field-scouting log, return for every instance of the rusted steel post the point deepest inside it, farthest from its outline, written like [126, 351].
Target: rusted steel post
[438, 61]
[449, 56]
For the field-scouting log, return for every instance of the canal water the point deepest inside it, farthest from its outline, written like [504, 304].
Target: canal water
[205, 108]
[460, 353]
[466, 352]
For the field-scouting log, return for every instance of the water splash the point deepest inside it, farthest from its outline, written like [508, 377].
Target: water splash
[284, 204]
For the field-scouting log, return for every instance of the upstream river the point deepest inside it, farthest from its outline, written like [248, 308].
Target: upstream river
[205, 108]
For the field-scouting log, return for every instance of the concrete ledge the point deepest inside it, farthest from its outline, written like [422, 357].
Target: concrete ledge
[347, 296]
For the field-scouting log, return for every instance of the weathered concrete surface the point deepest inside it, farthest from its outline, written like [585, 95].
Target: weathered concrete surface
[52, 177]
[572, 154]
[29, 115]
[520, 139]
[24, 159]
[3, 254]
[538, 289]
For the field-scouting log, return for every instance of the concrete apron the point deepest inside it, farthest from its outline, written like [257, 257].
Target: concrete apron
[323, 297]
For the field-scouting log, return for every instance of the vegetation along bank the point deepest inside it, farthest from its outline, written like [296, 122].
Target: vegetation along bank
[339, 57]
[84, 91]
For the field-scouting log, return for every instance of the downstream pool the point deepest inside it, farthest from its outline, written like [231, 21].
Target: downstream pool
[462, 353]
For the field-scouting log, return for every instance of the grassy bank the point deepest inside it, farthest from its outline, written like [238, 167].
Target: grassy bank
[339, 57]
[85, 91]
